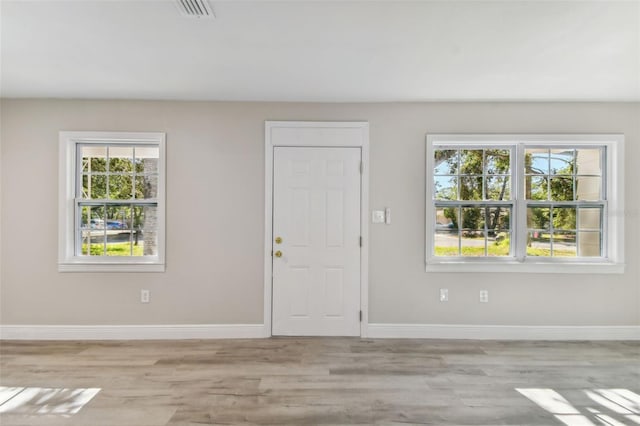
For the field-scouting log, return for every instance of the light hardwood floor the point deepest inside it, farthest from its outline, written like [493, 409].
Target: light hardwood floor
[319, 381]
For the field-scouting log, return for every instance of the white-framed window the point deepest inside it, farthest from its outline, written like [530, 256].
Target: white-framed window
[112, 202]
[528, 203]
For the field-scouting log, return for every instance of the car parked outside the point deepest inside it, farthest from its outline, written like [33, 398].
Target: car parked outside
[444, 226]
[96, 224]
[116, 224]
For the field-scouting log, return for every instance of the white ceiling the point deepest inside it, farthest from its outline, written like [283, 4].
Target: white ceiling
[323, 50]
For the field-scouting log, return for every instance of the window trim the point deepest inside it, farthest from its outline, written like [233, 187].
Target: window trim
[613, 242]
[68, 261]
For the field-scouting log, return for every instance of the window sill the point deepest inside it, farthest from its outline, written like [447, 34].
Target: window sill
[110, 267]
[527, 267]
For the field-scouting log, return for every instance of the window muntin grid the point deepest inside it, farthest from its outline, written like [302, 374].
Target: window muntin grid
[468, 173]
[473, 200]
[564, 173]
[568, 181]
[116, 199]
[567, 231]
[565, 200]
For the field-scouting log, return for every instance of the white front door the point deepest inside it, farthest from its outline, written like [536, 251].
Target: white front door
[316, 241]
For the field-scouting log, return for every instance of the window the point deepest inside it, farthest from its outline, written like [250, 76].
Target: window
[540, 203]
[111, 201]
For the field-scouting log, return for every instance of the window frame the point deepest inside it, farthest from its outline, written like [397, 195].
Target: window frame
[68, 259]
[484, 203]
[612, 260]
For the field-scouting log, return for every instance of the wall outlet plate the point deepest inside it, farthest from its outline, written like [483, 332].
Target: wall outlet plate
[145, 296]
[377, 216]
[484, 296]
[444, 294]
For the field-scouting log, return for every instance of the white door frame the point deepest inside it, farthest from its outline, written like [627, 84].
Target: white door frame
[361, 128]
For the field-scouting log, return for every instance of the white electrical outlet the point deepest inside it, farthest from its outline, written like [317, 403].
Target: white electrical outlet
[484, 296]
[377, 216]
[444, 294]
[145, 296]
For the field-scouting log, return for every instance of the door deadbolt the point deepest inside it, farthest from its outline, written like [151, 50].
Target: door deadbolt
[278, 240]
[278, 254]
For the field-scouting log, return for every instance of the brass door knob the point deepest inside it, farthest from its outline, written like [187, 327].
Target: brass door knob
[278, 254]
[278, 240]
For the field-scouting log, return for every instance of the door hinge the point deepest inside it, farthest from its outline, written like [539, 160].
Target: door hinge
[360, 241]
[360, 316]
[361, 167]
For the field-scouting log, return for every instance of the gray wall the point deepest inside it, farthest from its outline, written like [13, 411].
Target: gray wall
[215, 209]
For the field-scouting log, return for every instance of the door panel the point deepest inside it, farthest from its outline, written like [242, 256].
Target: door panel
[316, 213]
[299, 293]
[333, 292]
[335, 218]
[300, 205]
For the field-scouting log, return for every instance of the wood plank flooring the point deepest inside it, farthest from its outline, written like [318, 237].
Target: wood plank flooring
[319, 381]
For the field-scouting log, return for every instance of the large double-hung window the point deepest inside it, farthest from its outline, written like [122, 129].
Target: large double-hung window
[540, 203]
[111, 201]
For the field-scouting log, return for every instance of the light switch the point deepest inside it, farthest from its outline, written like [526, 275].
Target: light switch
[377, 216]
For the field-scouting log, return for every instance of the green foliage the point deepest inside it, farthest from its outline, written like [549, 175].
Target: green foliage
[471, 162]
[561, 189]
[497, 218]
[500, 247]
[551, 188]
[535, 251]
[130, 217]
[493, 250]
[114, 249]
[473, 218]
[483, 175]
[538, 217]
[121, 180]
[98, 164]
[121, 165]
[564, 218]
[451, 213]
[446, 251]
[544, 239]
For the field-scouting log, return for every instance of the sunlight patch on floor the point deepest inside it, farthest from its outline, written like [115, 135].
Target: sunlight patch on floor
[36, 400]
[614, 407]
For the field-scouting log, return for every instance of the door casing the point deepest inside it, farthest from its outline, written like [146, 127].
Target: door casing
[316, 134]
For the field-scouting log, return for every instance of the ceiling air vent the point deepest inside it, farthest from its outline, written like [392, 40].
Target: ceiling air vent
[195, 8]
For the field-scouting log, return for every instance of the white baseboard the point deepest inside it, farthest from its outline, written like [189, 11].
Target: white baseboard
[132, 332]
[252, 331]
[503, 332]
